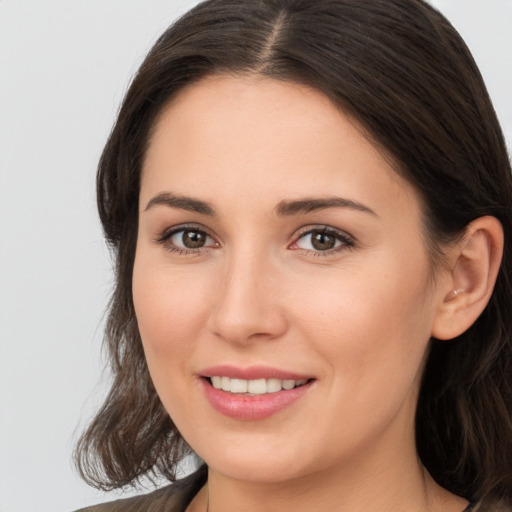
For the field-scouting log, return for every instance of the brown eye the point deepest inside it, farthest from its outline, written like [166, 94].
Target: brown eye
[193, 239]
[187, 239]
[322, 241]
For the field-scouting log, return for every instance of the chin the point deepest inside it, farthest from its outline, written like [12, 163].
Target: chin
[262, 460]
[258, 471]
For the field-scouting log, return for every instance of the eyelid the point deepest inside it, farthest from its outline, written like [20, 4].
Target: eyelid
[168, 233]
[171, 230]
[348, 241]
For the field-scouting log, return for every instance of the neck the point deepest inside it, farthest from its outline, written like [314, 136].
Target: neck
[404, 486]
[381, 475]
[330, 492]
[370, 484]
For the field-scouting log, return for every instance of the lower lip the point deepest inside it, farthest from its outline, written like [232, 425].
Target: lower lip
[257, 407]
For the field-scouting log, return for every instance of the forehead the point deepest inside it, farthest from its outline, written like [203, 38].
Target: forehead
[229, 136]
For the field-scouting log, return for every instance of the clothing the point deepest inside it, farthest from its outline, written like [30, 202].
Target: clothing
[167, 499]
[176, 498]
[172, 498]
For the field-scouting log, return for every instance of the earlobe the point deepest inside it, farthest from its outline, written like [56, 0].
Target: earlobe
[475, 263]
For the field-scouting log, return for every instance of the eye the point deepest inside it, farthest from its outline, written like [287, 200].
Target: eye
[186, 240]
[323, 240]
[189, 239]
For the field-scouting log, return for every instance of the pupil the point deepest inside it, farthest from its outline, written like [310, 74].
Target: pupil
[193, 239]
[323, 241]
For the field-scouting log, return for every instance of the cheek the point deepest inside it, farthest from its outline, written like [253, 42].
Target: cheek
[372, 324]
[171, 313]
[170, 319]
[169, 306]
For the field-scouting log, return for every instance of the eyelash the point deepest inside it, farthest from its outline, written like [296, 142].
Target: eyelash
[165, 237]
[347, 242]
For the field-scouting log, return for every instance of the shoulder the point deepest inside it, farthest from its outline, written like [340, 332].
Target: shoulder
[171, 498]
[166, 499]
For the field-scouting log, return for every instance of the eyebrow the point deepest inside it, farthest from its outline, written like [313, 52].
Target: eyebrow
[284, 208]
[182, 202]
[310, 204]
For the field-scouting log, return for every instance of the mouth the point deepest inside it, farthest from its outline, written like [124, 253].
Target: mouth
[254, 387]
[253, 393]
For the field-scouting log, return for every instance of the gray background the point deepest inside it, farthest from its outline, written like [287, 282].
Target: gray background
[64, 66]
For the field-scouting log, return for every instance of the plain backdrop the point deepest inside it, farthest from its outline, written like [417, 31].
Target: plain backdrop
[64, 67]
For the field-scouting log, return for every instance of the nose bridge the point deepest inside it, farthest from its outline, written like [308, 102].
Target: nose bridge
[246, 303]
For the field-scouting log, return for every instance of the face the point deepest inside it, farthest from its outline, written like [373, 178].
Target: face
[282, 285]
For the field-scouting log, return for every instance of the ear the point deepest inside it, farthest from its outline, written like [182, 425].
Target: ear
[474, 265]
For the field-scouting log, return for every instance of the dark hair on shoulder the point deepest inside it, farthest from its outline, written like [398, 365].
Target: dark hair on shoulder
[401, 70]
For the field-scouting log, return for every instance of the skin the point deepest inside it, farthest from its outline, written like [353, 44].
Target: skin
[358, 318]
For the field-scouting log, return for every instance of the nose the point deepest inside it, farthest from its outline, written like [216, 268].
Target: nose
[248, 302]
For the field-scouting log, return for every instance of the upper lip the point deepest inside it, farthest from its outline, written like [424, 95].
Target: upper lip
[252, 373]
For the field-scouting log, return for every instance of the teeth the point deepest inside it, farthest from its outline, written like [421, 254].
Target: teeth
[288, 384]
[226, 383]
[254, 387]
[239, 386]
[274, 385]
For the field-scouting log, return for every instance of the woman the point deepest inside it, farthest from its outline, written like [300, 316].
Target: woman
[309, 205]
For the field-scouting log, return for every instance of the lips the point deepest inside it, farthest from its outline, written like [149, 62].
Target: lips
[253, 393]
[253, 372]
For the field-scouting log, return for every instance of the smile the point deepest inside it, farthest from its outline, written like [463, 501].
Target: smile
[254, 387]
[254, 393]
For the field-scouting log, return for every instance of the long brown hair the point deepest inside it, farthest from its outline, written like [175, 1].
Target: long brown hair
[404, 73]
